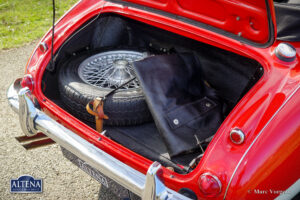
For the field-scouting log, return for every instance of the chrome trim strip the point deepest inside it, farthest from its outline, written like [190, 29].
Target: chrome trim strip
[291, 192]
[246, 152]
[149, 187]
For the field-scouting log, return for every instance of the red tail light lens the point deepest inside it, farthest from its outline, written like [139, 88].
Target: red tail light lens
[209, 185]
[237, 136]
[27, 81]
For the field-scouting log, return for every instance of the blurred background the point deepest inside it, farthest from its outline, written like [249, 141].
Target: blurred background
[22, 21]
[22, 24]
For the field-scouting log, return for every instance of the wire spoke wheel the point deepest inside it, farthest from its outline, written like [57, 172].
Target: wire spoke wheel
[84, 78]
[111, 69]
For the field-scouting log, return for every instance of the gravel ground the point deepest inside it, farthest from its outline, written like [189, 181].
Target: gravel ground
[61, 179]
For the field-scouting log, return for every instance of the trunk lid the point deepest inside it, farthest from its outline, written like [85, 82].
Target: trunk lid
[245, 20]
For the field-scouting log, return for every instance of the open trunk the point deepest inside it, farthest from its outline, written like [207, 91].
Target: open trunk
[228, 74]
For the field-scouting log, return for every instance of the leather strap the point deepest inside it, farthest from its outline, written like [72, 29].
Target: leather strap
[98, 104]
[98, 112]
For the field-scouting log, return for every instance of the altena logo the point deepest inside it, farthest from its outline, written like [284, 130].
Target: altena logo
[26, 184]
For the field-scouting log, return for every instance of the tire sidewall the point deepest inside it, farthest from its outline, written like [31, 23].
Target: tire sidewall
[69, 76]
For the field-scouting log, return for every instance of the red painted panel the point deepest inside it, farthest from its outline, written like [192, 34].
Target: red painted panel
[251, 114]
[248, 19]
[273, 164]
[196, 8]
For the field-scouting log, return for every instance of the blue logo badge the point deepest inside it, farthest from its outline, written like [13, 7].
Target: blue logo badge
[26, 184]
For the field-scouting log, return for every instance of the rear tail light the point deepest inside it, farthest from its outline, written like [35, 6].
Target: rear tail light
[43, 47]
[209, 185]
[286, 52]
[237, 136]
[27, 81]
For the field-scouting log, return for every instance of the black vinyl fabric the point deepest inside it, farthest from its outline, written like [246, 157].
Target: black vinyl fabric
[288, 20]
[183, 107]
[145, 140]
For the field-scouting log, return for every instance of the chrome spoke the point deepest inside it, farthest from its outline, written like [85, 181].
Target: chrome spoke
[110, 69]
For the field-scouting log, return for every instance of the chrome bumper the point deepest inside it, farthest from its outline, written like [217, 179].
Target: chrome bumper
[33, 120]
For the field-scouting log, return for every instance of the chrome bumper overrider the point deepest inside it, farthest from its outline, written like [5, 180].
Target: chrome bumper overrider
[33, 120]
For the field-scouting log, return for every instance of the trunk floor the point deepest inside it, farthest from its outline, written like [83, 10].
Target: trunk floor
[145, 140]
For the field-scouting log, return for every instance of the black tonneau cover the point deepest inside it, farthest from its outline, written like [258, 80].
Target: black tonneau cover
[288, 20]
[185, 110]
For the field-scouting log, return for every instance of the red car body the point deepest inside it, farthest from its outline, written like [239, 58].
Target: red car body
[267, 163]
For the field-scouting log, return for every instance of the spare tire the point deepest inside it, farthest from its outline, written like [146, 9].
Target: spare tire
[83, 78]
